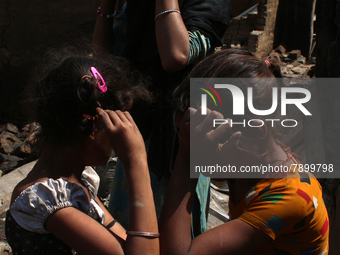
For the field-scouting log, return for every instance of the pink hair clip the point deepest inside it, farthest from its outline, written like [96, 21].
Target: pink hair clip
[97, 75]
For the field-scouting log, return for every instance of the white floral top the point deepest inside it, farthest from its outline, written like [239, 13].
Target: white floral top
[36, 203]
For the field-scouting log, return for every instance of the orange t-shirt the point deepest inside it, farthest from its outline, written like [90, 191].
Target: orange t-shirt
[291, 211]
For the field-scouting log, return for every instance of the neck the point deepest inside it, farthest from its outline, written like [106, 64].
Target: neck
[275, 154]
[60, 162]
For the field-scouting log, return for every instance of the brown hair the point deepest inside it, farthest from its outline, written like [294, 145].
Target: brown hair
[236, 64]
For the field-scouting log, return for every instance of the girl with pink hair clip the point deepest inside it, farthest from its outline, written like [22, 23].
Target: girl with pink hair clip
[81, 104]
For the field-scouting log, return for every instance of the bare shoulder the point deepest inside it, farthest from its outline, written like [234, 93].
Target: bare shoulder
[23, 185]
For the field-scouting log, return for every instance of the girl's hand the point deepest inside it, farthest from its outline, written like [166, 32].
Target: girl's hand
[183, 123]
[124, 135]
[208, 146]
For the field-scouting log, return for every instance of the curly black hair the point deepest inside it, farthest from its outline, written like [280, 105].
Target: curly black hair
[65, 89]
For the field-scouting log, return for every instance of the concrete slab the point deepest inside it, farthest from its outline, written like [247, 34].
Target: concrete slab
[9, 181]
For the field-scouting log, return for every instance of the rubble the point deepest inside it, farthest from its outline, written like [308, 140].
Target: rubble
[5, 249]
[16, 147]
[294, 54]
[292, 63]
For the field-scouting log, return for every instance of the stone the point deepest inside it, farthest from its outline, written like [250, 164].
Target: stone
[31, 137]
[300, 71]
[8, 166]
[311, 61]
[252, 16]
[9, 127]
[296, 63]
[252, 43]
[259, 27]
[294, 54]
[276, 56]
[247, 27]
[280, 49]
[244, 32]
[302, 60]
[10, 157]
[261, 21]
[5, 249]
[256, 33]
[232, 31]
[9, 142]
[262, 8]
[252, 48]
[28, 131]
[9, 181]
[10, 162]
[24, 149]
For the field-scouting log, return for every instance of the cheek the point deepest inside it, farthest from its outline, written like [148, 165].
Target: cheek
[103, 149]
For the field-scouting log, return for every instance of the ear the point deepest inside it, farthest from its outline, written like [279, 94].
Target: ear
[86, 127]
[93, 135]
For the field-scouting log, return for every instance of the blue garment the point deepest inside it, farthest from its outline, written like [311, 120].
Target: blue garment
[119, 201]
[206, 22]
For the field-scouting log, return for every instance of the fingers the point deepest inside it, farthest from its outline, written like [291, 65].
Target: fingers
[122, 116]
[207, 124]
[183, 120]
[111, 119]
[129, 118]
[107, 119]
[114, 119]
[223, 132]
[232, 143]
[198, 117]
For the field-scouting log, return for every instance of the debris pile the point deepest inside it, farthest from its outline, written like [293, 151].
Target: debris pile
[16, 146]
[293, 64]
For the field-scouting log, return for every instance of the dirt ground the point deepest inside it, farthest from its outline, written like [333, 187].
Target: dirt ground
[4, 247]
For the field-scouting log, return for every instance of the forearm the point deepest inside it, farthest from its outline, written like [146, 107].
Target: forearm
[175, 220]
[142, 210]
[128, 144]
[172, 36]
[103, 31]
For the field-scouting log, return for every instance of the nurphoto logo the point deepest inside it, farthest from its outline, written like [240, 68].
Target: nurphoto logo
[236, 116]
[238, 100]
